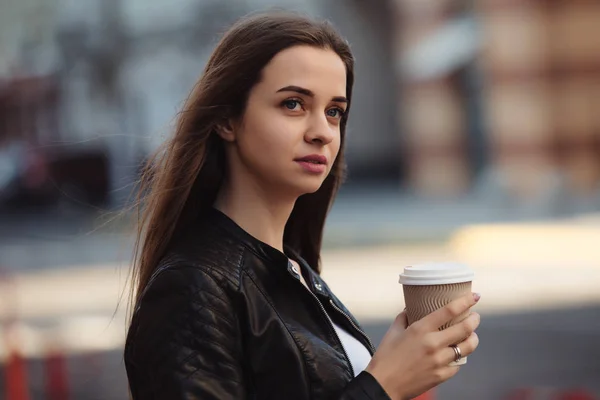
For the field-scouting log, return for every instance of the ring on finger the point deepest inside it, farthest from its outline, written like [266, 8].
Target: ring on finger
[457, 353]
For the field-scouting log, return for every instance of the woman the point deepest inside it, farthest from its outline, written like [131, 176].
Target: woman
[229, 303]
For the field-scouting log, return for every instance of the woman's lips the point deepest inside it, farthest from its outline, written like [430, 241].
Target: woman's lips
[312, 167]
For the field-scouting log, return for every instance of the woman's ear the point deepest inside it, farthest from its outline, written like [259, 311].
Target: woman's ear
[226, 131]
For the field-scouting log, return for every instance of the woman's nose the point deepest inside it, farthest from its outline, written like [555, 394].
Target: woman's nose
[320, 131]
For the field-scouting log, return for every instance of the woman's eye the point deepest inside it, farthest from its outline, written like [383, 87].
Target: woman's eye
[292, 104]
[335, 112]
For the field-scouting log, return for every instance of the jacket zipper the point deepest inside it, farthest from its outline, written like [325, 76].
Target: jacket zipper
[330, 325]
[333, 330]
[364, 335]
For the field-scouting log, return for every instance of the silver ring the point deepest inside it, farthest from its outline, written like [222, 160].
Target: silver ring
[457, 353]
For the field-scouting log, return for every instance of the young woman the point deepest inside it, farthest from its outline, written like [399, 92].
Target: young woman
[229, 302]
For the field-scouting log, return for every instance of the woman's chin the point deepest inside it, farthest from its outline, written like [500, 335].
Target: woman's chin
[299, 187]
[309, 187]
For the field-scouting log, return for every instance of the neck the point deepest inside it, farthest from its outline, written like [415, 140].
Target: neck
[261, 213]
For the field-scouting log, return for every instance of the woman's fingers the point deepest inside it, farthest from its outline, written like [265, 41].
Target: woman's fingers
[424, 350]
[402, 319]
[450, 311]
[459, 331]
[466, 347]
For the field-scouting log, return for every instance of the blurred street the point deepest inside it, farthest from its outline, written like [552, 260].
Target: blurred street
[541, 312]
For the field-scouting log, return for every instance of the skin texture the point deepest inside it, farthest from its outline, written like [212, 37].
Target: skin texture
[278, 127]
[264, 181]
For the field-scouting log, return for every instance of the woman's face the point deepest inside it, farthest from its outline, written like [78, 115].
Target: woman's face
[289, 135]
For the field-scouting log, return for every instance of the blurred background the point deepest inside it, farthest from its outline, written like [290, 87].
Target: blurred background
[474, 137]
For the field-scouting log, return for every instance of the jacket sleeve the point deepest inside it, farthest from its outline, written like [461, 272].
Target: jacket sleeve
[364, 387]
[184, 340]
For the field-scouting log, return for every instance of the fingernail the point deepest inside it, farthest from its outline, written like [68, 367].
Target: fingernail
[476, 296]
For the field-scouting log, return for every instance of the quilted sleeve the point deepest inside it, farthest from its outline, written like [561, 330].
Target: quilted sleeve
[184, 340]
[364, 387]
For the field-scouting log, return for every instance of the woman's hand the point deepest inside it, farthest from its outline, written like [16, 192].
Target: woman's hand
[410, 361]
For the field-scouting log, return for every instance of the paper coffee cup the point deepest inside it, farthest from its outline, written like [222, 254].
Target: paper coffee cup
[428, 287]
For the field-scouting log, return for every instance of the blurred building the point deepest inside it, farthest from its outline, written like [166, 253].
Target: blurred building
[122, 68]
[436, 47]
[499, 97]
[452, 97]
[541, 64]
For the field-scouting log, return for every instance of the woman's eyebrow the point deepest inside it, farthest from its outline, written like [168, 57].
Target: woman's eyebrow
[309, 93]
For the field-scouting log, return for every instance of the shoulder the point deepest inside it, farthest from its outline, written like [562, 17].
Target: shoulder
[186, 309]
[191, 288]
[197, 264]
[202, 253]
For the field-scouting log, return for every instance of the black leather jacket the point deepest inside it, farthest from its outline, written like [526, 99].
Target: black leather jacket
[226, 317]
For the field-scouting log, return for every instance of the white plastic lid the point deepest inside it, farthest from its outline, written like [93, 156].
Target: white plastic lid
[436, 274]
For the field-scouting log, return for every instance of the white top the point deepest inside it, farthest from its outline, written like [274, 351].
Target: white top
[358, 354]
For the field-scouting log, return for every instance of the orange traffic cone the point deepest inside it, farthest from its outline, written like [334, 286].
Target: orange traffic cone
[429, 395]
[549, 393]
[576, 395]
[56, 376]
[16, 378]
[521, 394]
[16, 385]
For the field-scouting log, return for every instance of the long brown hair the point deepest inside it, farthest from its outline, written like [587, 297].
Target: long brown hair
[184, 178]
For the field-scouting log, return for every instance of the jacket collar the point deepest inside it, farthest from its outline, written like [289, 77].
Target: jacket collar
[267, 252]
[263, 250]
